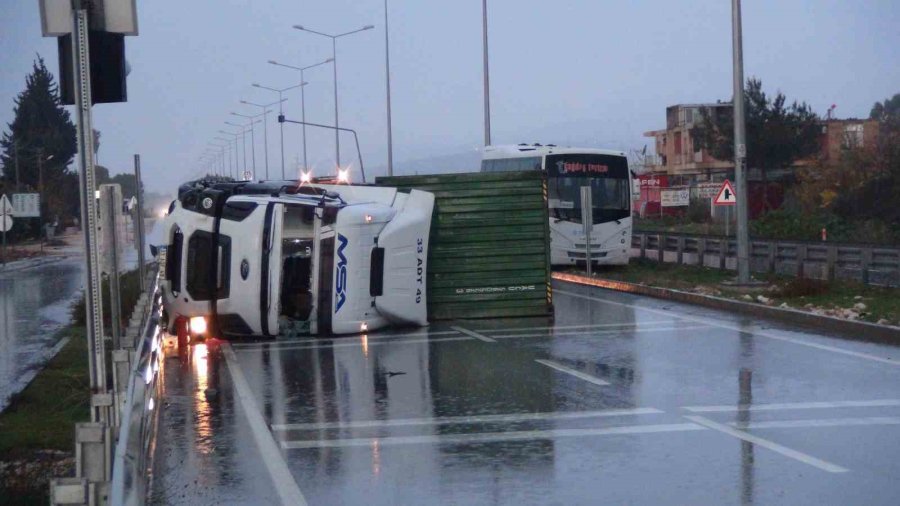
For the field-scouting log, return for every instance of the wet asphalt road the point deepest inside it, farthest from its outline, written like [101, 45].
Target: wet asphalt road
[620, 400]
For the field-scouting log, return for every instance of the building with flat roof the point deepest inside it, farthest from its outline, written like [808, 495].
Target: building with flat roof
[682, 159]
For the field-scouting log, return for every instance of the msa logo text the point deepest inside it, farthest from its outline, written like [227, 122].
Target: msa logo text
[340, 278]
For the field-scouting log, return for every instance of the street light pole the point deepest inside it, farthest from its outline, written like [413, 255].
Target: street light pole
[237, 164]
[228, 144]
[487, 85]
[387, 73]
[252, 120]
[302, 98]
[265, 112]
[243, 143]
[334, 38]
[740, 147]
[281, 111]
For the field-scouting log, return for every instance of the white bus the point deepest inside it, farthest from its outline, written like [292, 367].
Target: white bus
[567, 170]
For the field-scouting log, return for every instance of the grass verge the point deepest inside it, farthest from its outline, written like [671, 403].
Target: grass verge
[846, 299]
[37, 429]
[42, 416]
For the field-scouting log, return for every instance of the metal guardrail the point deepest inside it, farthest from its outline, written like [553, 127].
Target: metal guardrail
[869, 264]
[137, 397]
[112, 459]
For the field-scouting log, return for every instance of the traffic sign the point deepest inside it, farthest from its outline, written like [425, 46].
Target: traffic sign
[726, 195]
[26, 205]
[6, 207]
[6, 223]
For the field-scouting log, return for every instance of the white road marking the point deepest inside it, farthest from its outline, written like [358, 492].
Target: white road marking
[714, 323]
[461, 420]
[566, 327]
[288, 490]
[794, 405]
[765, 443]
[471, 333]
[603, 332]
[491, 437]
[578, 374]
[824, 422]
[291, 342]
[358, 344]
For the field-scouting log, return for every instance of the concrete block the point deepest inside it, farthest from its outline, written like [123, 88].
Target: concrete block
[68, 491]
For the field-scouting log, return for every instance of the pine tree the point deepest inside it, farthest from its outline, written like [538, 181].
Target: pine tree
[41, 128]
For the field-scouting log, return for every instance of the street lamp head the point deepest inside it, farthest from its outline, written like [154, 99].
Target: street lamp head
[244, 102]
[256, 85]
[49, 158]
[368, 27]
[273, 62]
[299, 27]
[329, 60]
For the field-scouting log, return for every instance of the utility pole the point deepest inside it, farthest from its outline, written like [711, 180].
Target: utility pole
[140, 221]
[740, 147]
[487, 79]
[387, 72]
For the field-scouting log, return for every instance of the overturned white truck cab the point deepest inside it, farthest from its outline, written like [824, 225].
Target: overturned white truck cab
[273, 258]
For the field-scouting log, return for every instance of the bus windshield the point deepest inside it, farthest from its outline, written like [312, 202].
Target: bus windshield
[606, 175]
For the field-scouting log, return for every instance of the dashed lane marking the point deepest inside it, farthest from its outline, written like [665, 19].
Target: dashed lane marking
[567, 327]
[770, 445]
[823, 422]
[490, 437]
[572, 372]
[794, 405]
[474, 334]
[588, 333]
[358, 344]
[291, 342]
[461, 420]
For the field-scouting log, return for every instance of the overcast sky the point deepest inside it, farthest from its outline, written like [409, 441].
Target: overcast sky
[588, 72]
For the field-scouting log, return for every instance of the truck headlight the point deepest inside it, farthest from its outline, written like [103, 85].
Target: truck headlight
[197, 325]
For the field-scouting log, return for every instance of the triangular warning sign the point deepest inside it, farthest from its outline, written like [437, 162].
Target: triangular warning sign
[726, 196]
[6, 206]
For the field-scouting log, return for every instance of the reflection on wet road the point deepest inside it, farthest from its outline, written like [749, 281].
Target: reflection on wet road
[620, 399]
[34, 303]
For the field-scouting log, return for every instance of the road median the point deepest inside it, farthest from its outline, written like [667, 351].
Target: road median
[849, 328]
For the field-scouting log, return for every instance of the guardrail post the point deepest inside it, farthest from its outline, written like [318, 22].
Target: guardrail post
[661, 248]
[643, 245]
[93, 455]
[773, 257]
[680, 249]
[801, 258]
[701, 252]
[69, 492]
[723, 252]
[121, 375]
[865, 262]
[831, 262]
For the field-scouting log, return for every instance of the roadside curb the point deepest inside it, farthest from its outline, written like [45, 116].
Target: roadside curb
[848, 328]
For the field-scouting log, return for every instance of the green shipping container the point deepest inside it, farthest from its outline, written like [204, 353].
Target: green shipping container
[489, 251]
